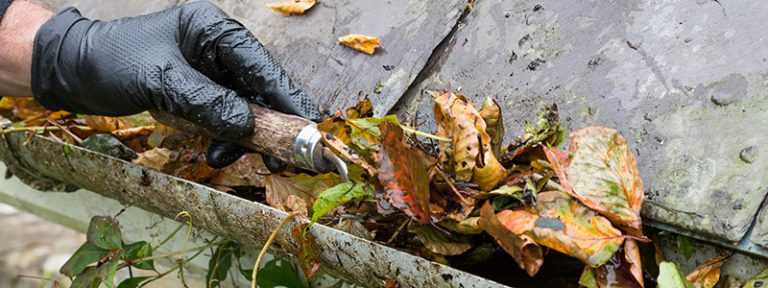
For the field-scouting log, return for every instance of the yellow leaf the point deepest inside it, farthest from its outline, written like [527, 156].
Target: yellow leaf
[362, 43]
[105, 124]
[707, 274]
[527, 253]
[293, 7]
[491, 113]
[470, 150]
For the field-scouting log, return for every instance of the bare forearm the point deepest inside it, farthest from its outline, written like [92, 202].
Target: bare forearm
[17, 33]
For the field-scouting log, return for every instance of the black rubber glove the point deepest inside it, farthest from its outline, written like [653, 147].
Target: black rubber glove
[192, 60]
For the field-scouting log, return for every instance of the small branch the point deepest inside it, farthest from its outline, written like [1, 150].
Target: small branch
[450, 184]
[550, 184]
[266, 247]
[41, 129]
[75, 137]
[397, 232]
[424, 134]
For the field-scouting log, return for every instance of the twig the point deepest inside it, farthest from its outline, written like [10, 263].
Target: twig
[550, 184]
[75, 137]
[170, 236]
[423, 134]
[41, 129]
[450, 184]
[266, 247]
[397, 232]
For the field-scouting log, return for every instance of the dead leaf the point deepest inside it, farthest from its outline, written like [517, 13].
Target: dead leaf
[306, 187]
[249, 170]
[757, 281]
[491, 113]
[439, 242]
[616, 273]
[156, 158]
[471, 149]
[347, 154]
[469, 226]
[402, 171]
[293, 7]
[362, 43]
[159, 134]
[105, 124]
[336, 125]
[632, 256]
[522, 248]
[354, 227]
[545, 133]
[130, 133]
[565, 225]
[707, 274]
[602, 174]
[296, 204]
[308, 250]
[363, 109]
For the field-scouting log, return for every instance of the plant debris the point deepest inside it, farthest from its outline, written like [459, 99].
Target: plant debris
[293, 7]
[362, 43]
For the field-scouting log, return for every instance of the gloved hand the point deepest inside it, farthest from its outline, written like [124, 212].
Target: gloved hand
[192, 60]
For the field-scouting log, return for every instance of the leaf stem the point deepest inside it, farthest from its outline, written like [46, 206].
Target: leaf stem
[410, 130]
[266, 247]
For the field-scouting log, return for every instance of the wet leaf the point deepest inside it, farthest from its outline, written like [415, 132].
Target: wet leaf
[139, 250]
[280, 272]
[134, 282]
[707, 274]
[293, 7]
[565, 225]
[491, 113]
[471, 149]
[439, 242]
[304, 186]
[362, 43]
[522, 248]
[339, 195]
[104, 232]
[757, 281]
[219, 264]
[670, 277]
[105, 123]
[603, 175]
[86, 255]
[249, 171]
[402, 171]
[347, 154]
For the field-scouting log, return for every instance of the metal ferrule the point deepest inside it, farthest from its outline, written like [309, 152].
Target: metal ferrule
[307, 149]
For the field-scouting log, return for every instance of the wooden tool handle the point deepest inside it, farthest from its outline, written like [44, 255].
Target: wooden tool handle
[274, 133]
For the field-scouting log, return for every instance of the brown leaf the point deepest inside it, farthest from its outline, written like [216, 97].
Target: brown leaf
[522, 248]
[402, 171]
[304, 186]
[249, 170]
[293, 7]
[130, 133]
[348, 154]
[336, 125]
[707, 274]
[616, 273]
[632, 257]
[491, 113]
[603, 175]
[308, 250]
[439, 242]
[363, 109]
[565, 225]
[105, 124]
[471, 149]
[156, 158]
[362, 43]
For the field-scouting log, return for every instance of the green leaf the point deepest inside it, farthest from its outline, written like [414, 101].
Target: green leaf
[86, 255]
[587, 278]
[110, 270]
[670, 277]
[685, 246]
[365, 132]
[759, 280]
[104, 232]
[132, 282]
[280, 273]
[138, 250]
[339, 195]
[220, 262]
[90, 278]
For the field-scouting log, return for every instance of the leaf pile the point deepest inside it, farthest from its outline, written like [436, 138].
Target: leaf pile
[437, 195]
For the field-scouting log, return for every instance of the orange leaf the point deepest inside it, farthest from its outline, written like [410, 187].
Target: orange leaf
[403, 173]
[565, 225]
[602, 174]
[105, 124]
[522, 248]
[293, 7]
[707, 274]
[362, 43]
[632, 256]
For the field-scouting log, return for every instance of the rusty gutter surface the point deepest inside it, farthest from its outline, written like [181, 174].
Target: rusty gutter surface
[248, 222]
